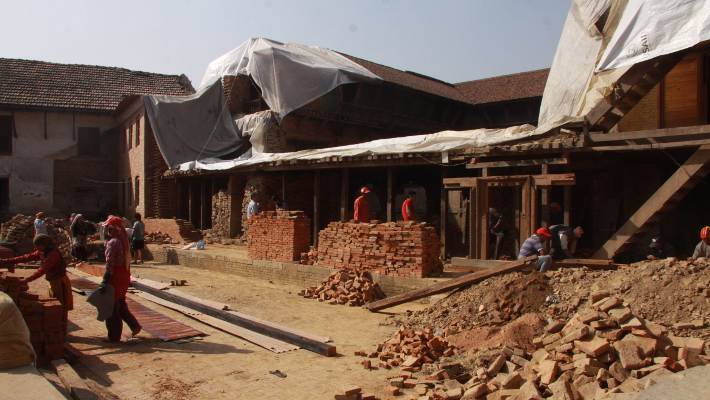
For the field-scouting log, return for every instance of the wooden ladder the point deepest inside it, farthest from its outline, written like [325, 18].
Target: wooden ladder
[631, 87]
[658, 205]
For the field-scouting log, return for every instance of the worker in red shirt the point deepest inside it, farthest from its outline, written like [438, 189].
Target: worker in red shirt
[408, 207]
[362, 206]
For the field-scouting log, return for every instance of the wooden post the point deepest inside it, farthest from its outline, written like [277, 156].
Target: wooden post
[545, 202]
[482, 218]
[443, 210]
[316, 206]
[473, 223]
[568, 205]
[189, 199]
[344, 189]
[203, 202]
[390, 194]
[517, 216]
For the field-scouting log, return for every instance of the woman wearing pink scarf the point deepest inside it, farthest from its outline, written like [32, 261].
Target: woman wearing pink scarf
[118, 275]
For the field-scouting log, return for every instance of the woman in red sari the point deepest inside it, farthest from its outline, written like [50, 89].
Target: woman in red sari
[118, 275]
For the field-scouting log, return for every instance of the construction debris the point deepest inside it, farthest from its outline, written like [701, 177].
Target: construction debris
[392, 248]
[159, 238]
[20, 229]
[347, 286]
[42, 316]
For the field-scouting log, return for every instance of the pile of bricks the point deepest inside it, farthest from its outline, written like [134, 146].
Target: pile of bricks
[158, 237]
[278, 235]
[347, 286]
[42, 316]
[20, 229]
[602, 351]
[392, 248]
[354, 393]
[409, 349]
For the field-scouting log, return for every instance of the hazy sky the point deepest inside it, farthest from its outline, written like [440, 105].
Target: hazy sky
[454, 41]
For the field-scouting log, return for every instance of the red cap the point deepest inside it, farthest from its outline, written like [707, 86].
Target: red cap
[364, 190]
[705, 232]
[116, 221]
[543, 231]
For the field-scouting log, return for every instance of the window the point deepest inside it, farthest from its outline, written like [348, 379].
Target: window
[138, 131]
[6, 125]
[130, 136]
[88, 143]
[4, 194]
[138, 191]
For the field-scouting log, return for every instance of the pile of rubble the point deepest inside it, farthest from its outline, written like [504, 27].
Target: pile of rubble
[158, 237]
[20, 229]
[392, 248]
[42, 316]
[575, 333]
[347, 286]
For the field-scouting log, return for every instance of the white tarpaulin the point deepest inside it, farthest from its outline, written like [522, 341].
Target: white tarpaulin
[575, 58]
[431, 143]
[289, 75]
[193, 127]
[651, 28]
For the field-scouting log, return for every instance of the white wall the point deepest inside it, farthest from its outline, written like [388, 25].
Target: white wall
[30, 168]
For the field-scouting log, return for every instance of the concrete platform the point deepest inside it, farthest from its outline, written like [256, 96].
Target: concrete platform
[25, 383]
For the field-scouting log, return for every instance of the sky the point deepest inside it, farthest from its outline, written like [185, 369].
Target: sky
[454, 41]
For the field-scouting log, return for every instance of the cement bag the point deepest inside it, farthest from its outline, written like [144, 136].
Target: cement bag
[15, 347]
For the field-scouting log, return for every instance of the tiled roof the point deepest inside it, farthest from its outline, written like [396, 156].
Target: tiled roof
[507, 87]
[411, 80]
[26, 83]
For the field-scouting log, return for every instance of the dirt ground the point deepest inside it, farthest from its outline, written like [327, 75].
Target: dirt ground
[222, 366]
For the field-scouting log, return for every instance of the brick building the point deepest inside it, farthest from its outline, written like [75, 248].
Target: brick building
[59, 133]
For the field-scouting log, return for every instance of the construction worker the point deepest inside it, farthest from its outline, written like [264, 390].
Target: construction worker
[253, 207]
[564, 241]
[534, 245]
[703, 248]
[408, 213]
[496, 224]
[660, 249]
[362, 206]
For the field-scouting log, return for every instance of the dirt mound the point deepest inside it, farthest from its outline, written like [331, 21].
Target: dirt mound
[494, 301]
[518, 333]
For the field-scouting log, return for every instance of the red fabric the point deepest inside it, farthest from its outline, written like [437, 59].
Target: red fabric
[116, 266]
[405, 214]
[53, 264]
[120, 280]
[362, 209]
[117, 229]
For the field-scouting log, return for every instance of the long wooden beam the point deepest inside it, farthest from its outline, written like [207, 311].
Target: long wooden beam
[537, 180]
[653, 133]
[288, 337]
[449, 285]
[516, 163]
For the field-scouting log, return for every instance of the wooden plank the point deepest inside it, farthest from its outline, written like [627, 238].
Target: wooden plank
[449, 285]
[76, 386]
[475, 263]
[516, 163]
[538, 180]
[684, 179]
[288, 337]
[554, 179]
[585, 261]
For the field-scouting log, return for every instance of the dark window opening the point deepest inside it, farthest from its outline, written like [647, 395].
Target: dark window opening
[4, 194]
[88, 142]
[6, 134]
[300, 144]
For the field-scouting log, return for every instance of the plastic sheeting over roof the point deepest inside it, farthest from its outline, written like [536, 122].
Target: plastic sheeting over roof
[588, 62]
[431, 143]
[290, 75]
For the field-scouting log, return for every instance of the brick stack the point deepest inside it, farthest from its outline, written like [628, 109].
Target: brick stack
[20, 229]
[347, 286]
[393, 248]
[42, 316]
[278, 235]
[158, 237]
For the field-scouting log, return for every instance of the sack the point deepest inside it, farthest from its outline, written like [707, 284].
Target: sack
[15, 347]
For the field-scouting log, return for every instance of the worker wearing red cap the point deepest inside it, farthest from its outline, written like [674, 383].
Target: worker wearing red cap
[362, 206]
[534, 246]
[703, 248]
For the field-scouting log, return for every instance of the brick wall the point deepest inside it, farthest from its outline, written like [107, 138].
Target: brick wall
[177, 229]
[288, 273]
[221, 212]
[279, 235]
[644, 115]
[265, 183]
[392, 248]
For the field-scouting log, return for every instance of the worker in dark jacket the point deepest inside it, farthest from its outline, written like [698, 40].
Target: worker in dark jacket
[660, 249]
[564, 241]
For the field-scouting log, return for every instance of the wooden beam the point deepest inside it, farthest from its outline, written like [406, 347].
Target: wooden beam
[653, 133]
[444, 215]
[537, 180]
[76, 386]
[568, 205]
[449, 285]
[390, 194]
[316, 206]
[344, 188]
[473, 223]
[544, 202]
[516, 163]
[288, 337]
[482, 217]
[658, 205]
